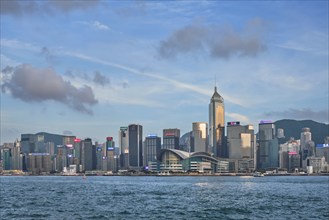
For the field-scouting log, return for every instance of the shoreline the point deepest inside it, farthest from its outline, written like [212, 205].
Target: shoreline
[177, 174]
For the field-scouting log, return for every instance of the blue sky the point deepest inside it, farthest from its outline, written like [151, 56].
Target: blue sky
[87, 68]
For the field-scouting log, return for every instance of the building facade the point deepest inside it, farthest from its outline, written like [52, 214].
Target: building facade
[171, 138]
[241, 146]
[217, 125]
[152, 147]
[199, 136]
[135, 143]
[268, 146]
[124, 147]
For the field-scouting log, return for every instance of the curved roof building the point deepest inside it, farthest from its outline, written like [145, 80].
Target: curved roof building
[182, 161]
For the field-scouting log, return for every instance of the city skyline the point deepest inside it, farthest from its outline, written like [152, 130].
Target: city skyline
[88, 69]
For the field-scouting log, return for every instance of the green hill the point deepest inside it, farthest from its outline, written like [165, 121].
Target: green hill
[293, 128]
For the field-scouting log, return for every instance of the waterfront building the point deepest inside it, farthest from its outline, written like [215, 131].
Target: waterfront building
[135, 143]
[171, 138]
[16, 157]
[268, 149]
[87, 152]
[217, 125]
[172, 160]
[99, 156]
[152, 147]
[316, 165]
[322, 150]
[6, 157]
[110, 155]
[241, 141]
[74, 154]
[199, 136]
[61, 158]
[124, 147]
[39, 163]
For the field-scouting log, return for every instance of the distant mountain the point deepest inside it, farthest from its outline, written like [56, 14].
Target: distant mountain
[293, 128]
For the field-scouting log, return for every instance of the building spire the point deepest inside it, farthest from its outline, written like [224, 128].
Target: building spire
[215, 83]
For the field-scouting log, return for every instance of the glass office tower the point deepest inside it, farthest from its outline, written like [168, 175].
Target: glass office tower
[268, 152]
[217, 125]
[135, 142]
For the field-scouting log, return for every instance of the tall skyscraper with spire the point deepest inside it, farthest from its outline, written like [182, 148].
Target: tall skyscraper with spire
[217, 125]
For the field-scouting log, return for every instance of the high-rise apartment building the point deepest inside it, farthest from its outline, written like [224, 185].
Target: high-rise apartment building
[217, 125]
[171, 138]
[199, 140]
[152, 147]
[268, 149]
[135, 143]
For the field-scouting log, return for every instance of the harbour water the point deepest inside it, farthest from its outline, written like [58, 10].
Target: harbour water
[164, 197]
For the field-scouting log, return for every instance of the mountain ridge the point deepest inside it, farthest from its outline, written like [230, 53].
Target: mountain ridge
[293, 128]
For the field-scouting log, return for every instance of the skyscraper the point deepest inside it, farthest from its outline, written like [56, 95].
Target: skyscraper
[152, 147]
[135, 143]
[199, 137]
[124, 147]
[240, 141]
[217, 125]
[307, 146]
[87, 154]
[268, 152]
[111, 162]
[171, 138]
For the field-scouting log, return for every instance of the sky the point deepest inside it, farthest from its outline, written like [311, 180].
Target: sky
[87, 68]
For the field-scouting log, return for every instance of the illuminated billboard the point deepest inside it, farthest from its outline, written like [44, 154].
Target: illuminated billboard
[292, 153]
[109, 138]
[233, 123]
[169, 134]
[77, 140]
[152, 135]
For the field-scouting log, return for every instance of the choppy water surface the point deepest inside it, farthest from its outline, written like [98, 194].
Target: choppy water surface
[119, 197]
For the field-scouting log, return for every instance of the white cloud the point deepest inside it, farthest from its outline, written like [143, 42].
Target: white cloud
[238, 117]
[172, 82]
[18, 45]
[100, 26]
[95, 25]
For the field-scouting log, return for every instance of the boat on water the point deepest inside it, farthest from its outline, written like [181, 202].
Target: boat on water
[258, 174]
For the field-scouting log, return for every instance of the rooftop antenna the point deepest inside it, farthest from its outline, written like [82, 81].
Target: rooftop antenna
[215, 83]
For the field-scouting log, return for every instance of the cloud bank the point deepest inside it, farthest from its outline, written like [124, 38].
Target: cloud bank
[19, 7]
[218, 42]
[31, 84]
[306, 113]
